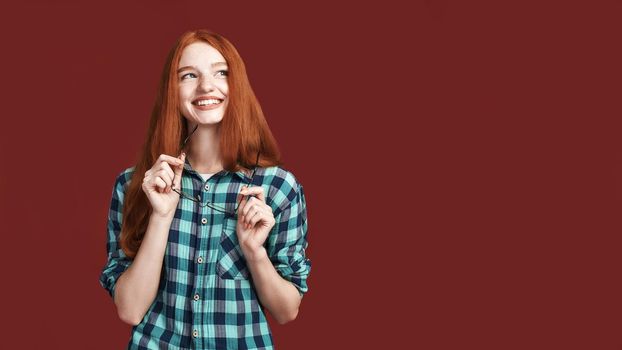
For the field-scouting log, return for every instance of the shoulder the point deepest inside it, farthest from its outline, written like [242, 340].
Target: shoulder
[123, 179]
[280, 177]
[283, 187]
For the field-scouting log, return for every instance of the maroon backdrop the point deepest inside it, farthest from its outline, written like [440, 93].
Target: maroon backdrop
[461, 162]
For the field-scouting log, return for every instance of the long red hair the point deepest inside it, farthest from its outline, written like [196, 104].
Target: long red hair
[243, 132]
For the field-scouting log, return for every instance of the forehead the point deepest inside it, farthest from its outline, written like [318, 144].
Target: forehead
[200, 53]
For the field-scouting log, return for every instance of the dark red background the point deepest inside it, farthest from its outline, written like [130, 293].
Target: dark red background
[461, 162]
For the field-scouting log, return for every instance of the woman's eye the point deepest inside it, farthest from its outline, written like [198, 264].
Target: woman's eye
[186, 75]
[223, 73]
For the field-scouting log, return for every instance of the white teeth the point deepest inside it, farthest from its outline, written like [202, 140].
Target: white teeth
[208, 102]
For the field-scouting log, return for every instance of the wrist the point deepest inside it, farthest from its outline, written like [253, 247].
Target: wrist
[162, 217]
[255, 255]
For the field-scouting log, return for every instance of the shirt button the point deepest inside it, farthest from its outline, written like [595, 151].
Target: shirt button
[195, 333]
[204, 221]
[206, 187]
[196, 297]
[200, 260]
[198, 198]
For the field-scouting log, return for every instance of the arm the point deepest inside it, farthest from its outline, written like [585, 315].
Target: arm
[133, 284]
[136, 288]
[277, 295]
[280, 269]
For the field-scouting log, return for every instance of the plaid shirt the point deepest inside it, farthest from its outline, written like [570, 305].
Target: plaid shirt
[206, 298]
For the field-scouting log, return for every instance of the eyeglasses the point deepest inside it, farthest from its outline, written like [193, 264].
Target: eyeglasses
[214, 206]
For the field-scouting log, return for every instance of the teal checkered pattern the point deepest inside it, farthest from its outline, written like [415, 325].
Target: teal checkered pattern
[206, 259]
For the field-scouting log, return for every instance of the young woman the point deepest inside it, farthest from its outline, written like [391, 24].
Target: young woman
[207, 230]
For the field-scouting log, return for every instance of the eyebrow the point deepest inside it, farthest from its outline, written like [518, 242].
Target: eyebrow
[195, 68]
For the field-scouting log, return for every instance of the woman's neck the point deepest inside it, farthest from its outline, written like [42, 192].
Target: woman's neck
[203, 149]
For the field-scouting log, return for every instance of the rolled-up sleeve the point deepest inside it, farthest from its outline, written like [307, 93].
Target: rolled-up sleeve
[288, 240]
[117, 261]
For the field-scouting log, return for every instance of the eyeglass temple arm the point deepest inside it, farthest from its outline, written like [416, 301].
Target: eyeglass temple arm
[183, 145]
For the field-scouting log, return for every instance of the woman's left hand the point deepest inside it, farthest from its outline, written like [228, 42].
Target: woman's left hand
[255, 220]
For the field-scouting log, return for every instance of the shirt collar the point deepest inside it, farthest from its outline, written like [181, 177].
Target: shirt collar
[223, 172]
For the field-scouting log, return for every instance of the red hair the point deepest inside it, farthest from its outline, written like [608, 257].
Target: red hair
[243, 131]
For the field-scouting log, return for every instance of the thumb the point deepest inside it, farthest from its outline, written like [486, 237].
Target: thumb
[178, 170]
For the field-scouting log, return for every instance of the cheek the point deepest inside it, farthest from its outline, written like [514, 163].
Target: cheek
[184, 93]
[224, 88]
[183, 96]
[184, 101]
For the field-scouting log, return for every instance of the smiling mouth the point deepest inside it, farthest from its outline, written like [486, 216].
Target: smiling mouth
[207, 102]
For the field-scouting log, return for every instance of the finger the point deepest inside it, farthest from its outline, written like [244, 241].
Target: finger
[251, 202]
[167, 175]
[259, 219]
[254, 216]
[241, 207]
[171, 160]
[159, 184]
[167, 168]
[240, 196]
[167, 179]
[260, 208]
[178, 171]
[254, 191]
[147, 181]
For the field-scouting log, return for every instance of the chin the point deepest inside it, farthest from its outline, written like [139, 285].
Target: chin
[209, 121]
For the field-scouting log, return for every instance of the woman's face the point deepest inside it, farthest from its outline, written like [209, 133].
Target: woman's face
[203, 88]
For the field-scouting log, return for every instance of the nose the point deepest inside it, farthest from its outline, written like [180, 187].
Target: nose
[206, 83]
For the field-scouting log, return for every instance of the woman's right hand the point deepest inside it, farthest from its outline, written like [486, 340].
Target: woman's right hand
[166, 172]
